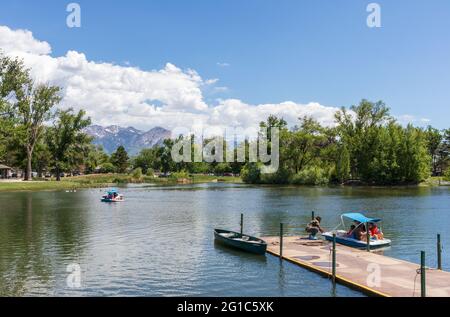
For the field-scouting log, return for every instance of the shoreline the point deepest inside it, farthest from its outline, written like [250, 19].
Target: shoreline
[75, 184]
[102, 181]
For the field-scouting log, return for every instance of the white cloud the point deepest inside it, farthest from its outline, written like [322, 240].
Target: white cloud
[222, 64]
[406, 119]
[128, 96]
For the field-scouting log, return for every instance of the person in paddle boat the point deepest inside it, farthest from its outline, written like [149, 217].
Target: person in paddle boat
[350, 233]
[313, 228]
[375, 232]
[359, 233]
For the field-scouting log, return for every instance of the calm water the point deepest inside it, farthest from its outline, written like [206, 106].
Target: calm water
[160, 241]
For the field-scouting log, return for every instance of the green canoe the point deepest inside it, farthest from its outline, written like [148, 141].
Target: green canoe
[239, 241]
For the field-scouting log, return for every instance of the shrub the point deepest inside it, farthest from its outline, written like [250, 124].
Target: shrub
[251, 173]
[178, 175]
[282, 176]
[312, 176]
[107, 168]
[150, 172]
[447, 175]
[137, 173]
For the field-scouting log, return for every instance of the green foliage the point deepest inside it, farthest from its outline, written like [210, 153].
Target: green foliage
[107, 168]
[148, 159]
[251, 173]
[67, 143]
[137, 173]
[342, 164]
[313, 175]
[150, 172]
[120, 159]
[180, 175]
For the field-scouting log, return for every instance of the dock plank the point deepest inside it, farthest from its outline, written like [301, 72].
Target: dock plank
[369, 272]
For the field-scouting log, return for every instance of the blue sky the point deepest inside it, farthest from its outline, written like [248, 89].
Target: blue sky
[302, 51]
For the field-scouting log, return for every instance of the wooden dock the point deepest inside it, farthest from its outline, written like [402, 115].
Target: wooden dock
[371, 273]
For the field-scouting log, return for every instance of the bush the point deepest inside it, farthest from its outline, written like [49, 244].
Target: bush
[282, 176]
[150, 172]
[137, 173]
[179, 175]
[251, 173]
[312, 176]
[107, 168]
[447, 175]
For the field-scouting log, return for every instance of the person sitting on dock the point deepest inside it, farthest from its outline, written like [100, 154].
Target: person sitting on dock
[314, 228]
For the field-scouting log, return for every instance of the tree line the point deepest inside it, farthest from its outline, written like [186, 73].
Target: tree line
[366, 145]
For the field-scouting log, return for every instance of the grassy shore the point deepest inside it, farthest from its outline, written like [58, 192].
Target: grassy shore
[102, 180]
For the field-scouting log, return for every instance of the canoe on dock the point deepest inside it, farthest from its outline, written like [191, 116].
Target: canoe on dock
[239, 241]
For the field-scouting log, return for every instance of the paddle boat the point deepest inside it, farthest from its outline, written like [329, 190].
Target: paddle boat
[112, 196]
[347, 238]
[240, 241]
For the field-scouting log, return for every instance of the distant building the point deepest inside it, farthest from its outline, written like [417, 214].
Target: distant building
[5, 171]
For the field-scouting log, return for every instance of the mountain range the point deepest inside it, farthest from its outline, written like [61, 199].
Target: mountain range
[132, 139]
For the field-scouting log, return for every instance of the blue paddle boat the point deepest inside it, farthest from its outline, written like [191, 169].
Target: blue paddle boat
[348, 237]
[112, 196]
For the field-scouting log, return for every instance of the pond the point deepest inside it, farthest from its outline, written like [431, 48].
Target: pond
[160, 241]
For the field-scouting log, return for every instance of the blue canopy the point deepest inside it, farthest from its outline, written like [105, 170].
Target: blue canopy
[360, 217]
[112, 191]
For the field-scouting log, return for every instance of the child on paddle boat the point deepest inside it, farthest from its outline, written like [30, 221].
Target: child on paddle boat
[375, 232]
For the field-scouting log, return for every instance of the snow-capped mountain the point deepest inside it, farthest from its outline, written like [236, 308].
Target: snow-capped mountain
[132, 139]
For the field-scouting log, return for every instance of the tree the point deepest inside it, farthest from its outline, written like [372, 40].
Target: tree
[96, 158]
[66, 140]
[147, 159]
[12, 76]
[343, 164]
[120, 159]
[434, 140]
[34, 107]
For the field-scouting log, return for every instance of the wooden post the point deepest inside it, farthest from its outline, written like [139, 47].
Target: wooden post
[423, 289]
[313, 216]
[333, 272]
[281, 240]
[439, 252]
[242, 224]
[368, 236]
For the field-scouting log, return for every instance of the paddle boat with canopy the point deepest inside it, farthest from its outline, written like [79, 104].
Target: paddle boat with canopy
[112, 196]
[348, 237]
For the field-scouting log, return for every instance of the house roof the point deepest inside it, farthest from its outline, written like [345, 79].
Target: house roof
[4, 167]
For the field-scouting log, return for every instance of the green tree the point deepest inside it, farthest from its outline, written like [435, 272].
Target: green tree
[147, 159]
[96, 158]
[434, 139]
[120, 159]
[34, 107]
[66, 140]
[343, 164]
